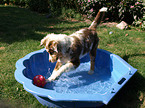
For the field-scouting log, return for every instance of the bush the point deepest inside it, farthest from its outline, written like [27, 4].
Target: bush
[91, 7]
[14, 2]
[34, 5]
[131, 10]
[38, 5]
[57, 6]
[70, 13]
[127, 10]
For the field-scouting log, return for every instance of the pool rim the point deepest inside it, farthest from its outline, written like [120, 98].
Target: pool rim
[54, 96]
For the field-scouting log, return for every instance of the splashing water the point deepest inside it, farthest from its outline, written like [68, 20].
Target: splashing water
[79, 81]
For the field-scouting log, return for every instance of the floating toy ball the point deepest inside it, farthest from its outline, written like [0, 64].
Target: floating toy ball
[39, 81]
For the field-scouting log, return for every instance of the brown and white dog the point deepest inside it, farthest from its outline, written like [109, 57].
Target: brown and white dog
[67, 50]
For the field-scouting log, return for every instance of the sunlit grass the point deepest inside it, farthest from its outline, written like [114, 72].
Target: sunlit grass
[21, 31]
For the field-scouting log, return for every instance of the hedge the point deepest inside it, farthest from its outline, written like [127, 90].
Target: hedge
[127, 10]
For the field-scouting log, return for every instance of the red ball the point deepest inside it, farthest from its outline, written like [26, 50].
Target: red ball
[39, 81]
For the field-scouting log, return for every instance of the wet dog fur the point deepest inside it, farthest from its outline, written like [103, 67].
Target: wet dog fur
[67, 50]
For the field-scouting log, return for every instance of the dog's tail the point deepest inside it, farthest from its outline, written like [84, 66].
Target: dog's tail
[98, 18]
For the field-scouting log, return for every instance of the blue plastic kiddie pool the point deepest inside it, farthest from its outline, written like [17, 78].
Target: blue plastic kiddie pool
[75, 88]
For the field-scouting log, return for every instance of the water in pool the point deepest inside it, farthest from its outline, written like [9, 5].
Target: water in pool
[79, 81]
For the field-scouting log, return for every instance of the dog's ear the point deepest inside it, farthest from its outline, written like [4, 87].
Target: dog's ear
[43, 42]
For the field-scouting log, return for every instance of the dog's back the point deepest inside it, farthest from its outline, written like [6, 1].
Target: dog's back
[86, 39]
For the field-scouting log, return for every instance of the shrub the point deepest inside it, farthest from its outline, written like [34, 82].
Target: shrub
[38, 5]
[130, 10]
[4, 1]
[70, 13]
[14, 2]
[127, 10]
[91, 7]
[57, 6]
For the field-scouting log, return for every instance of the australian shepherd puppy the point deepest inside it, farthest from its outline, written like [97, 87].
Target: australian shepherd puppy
[67, 50]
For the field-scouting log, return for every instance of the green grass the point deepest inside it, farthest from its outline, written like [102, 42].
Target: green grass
[20, 33]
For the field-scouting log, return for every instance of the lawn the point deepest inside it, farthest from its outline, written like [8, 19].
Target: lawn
[20, 33]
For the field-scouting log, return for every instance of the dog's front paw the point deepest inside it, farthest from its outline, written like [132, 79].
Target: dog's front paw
[47, 80]
[50, 79]
[90, 72]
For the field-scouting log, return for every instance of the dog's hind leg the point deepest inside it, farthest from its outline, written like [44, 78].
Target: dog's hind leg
[92, 59]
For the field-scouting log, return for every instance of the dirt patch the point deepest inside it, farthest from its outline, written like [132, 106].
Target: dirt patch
[88, 21]
[110, 45]
[110, 24]
[2, 48]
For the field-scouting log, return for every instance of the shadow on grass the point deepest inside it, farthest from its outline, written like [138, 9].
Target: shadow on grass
[19, 24]
[126, 57]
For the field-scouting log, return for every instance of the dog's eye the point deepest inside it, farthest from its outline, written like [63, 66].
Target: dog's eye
[51, 52]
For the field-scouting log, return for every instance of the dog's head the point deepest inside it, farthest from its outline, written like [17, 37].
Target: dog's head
[51, 47]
